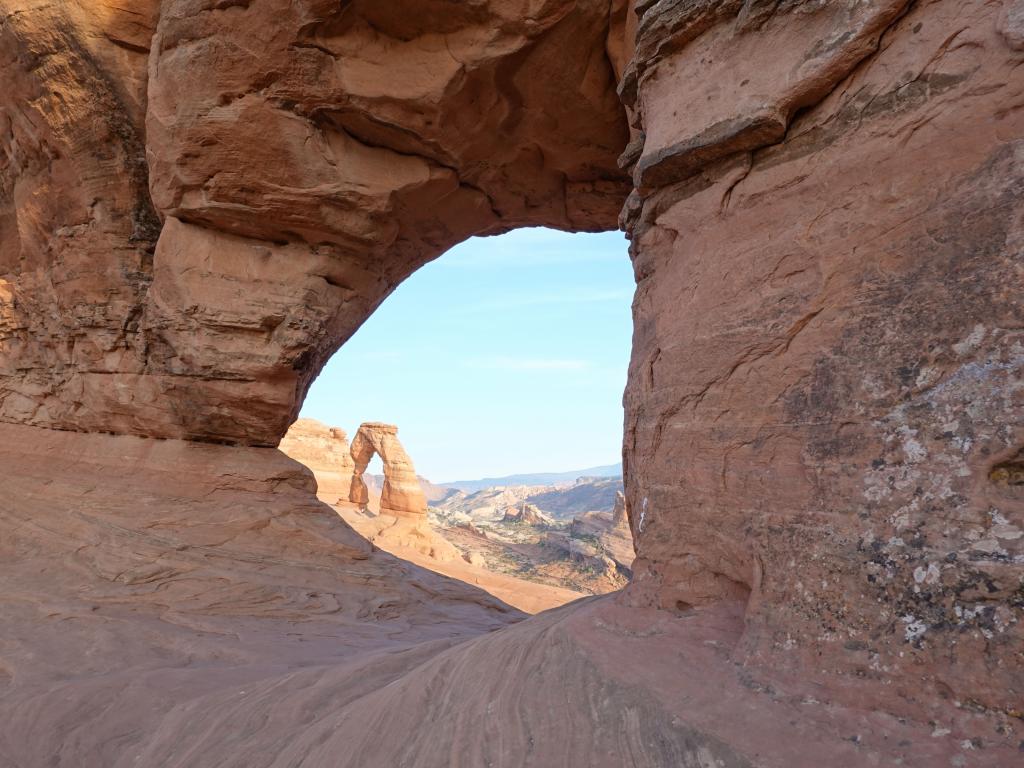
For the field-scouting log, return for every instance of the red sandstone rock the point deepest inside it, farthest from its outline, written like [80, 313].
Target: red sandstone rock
[826, 349]
[142, 577]
[304, 158]
[401, 493]
[611, 531]
[402, 526]
[77, 226]
[525, 512]
[325, 450]
[823, 411]
[417, 541]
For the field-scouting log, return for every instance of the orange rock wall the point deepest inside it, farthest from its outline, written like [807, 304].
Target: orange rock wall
[325, 450]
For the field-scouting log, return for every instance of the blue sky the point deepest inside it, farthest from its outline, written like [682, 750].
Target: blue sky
[508, 354]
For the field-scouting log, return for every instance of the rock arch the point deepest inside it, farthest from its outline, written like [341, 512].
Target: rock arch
[827, 335]
[401, 494]
[293, 190]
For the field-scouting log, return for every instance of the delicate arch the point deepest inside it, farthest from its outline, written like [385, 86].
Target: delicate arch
[401, 494]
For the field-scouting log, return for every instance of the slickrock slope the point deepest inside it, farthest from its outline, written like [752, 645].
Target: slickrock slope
[823, 413]
[419, 542]
[142, 580]
[644, 688]
[400, 534]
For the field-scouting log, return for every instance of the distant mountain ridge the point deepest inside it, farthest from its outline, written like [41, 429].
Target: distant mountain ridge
[539, 478]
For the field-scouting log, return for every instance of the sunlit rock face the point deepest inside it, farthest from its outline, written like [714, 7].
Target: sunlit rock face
[200, 202]
[325, 450]
[827, 237]
[401, 493]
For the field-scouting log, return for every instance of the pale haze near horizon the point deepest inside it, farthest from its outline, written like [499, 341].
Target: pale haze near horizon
[506, 355]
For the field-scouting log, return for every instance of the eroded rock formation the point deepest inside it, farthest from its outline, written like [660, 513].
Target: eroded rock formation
[611, 532]
[200, 201]
[812, 429]
[299, 169]
[325, 450]
[399, 522]
[525, 512]
[401, 494]
[145, 579]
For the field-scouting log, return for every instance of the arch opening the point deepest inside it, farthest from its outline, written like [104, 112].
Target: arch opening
[503, 364]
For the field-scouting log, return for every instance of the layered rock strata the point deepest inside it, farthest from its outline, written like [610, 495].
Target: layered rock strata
[147, 581]
[611, 532]
[525, 512]
[201, 201]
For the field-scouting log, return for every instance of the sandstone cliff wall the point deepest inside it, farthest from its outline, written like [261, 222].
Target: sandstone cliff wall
[827, 237]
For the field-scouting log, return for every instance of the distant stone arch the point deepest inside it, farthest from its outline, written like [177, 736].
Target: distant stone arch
[401, 494]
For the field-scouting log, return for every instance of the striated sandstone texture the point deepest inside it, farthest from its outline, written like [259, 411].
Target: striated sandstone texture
[145, 582]
[401, 494]
[77, 225]
[828, 237]
[419, 542]
[325, 450]
[409, 537]
[200, 201]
